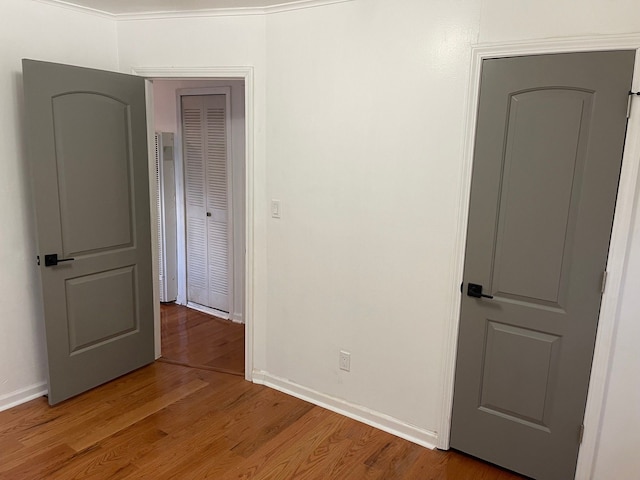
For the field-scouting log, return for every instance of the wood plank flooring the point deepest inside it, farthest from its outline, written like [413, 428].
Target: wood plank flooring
[167, 421]
[193, 338]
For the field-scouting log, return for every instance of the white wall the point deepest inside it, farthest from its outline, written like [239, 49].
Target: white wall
[206, 42]
[617, 454]
[506, 20]
[31, 30]
[365, 104]
[166, 120]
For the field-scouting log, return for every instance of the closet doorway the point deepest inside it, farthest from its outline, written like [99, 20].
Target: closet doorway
[206, 155]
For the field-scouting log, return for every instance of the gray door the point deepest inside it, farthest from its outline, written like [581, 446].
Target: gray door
[87, 146]
[547, 160]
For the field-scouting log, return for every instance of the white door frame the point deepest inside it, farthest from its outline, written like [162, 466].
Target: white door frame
[620, 236]
[218, 73]
[181, 207]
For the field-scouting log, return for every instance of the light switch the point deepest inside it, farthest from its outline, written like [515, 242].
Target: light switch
[276, 209]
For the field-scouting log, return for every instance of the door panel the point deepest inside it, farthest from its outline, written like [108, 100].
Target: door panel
[194, 165]
[91, 141]
[547, 159]
[513, 353]
[217, 201]
[540, 221]
[87, 143]
[94, 317]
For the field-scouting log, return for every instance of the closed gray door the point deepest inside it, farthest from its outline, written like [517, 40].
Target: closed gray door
[87, 145]
[547, 160]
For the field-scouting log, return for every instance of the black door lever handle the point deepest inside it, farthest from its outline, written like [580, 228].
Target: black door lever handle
[475, 290]
[51, 260]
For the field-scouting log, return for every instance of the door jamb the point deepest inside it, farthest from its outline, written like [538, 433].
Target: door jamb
[211, 73]
[629, 186]
[153, 191]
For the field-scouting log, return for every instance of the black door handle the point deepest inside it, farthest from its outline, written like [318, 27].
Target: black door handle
[475, 290]
[51, 260]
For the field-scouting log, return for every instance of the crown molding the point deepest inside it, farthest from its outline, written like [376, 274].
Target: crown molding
[77, 8]
[194, 72]
[300, 4]
[212, 12]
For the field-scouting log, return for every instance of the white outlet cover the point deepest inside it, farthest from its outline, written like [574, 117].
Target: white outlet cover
[345, 361]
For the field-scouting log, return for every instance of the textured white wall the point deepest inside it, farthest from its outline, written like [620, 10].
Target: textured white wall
[41, 32]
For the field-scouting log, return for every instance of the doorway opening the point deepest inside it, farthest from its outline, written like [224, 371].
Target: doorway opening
[201, 222]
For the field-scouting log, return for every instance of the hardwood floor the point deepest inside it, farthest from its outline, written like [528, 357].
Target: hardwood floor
[167, 421]
[195, 339]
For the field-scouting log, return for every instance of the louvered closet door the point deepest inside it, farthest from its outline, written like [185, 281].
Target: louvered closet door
[158, 199]
[207, 198]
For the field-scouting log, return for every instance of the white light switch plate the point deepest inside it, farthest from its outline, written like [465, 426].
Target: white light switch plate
[276, 209]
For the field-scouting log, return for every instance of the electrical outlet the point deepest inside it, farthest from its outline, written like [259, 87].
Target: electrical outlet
[345, 361]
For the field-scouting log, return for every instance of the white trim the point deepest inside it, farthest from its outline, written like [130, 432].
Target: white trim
[362, 414]
[77, 8]
[628, 188]
[206, 13]
[155, 247]
[23, 395]
[246, 74]
[209, 311]
[299, 5]
[202, 73]
[209, 12]
[609, 309]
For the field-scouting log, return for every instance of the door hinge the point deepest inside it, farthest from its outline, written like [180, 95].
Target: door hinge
[580, 433]
[604, 281]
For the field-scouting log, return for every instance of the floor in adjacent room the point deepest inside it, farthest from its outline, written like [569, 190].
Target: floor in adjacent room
[171, 421]
[196, 339]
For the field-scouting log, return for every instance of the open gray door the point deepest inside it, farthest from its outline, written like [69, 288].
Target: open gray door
[87, 145]
[548, 152]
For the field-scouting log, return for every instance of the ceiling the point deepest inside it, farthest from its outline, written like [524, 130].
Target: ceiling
[129, 7]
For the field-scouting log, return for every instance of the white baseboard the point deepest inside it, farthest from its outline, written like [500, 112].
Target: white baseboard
[362, 414]
[209, 310]
[235, 318]
[23, 395]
